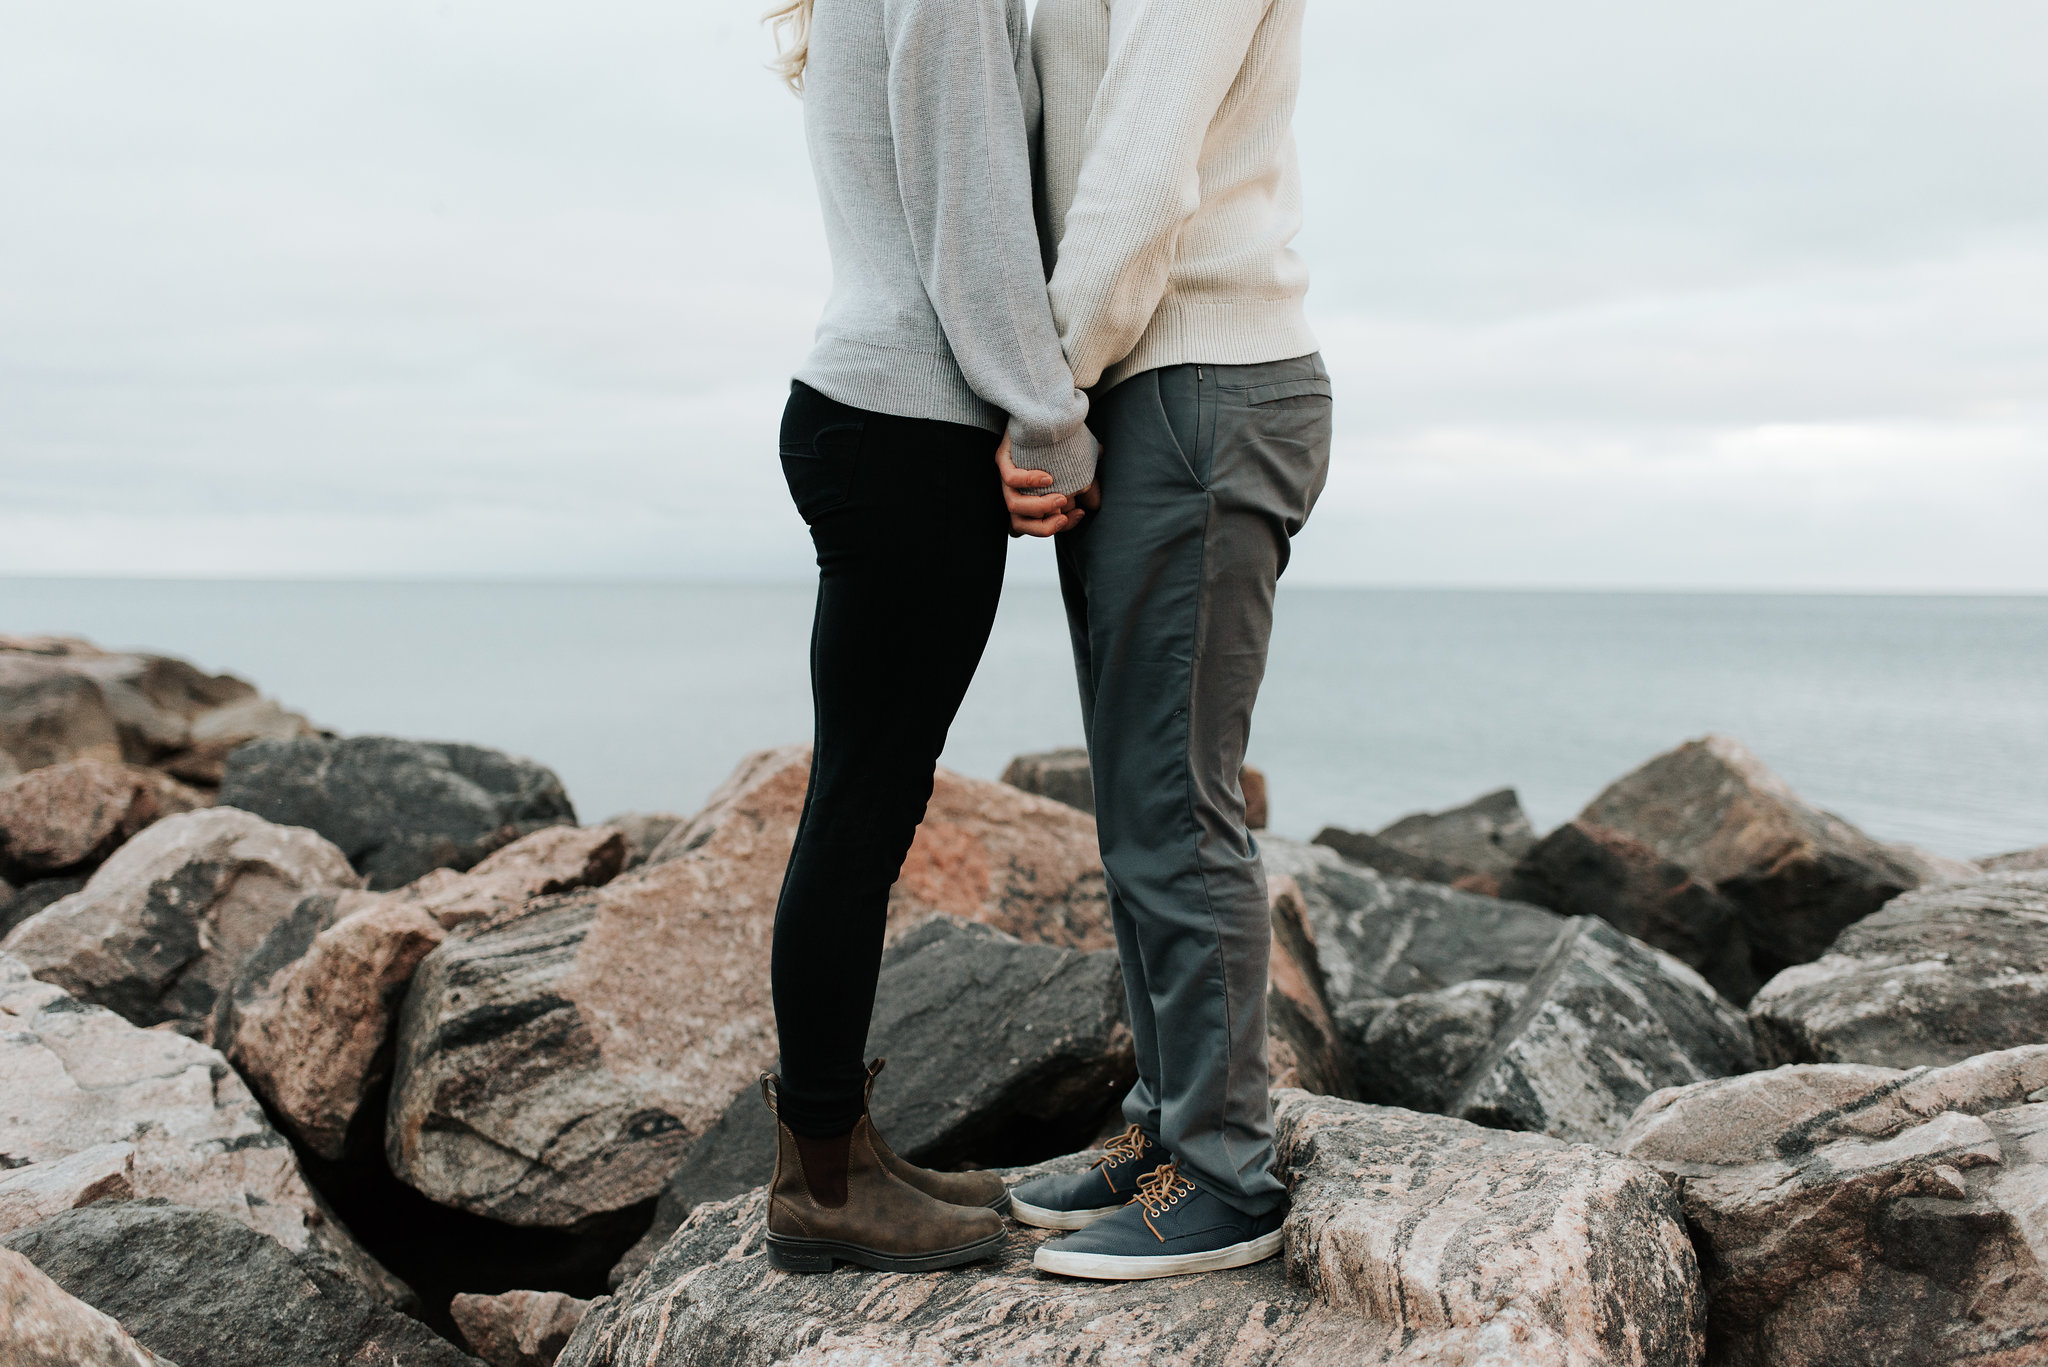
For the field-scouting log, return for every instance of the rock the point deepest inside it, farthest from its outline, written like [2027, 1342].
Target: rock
[1934, 978]
[50, 715]
[1417, 1050]
[398, 808]
[2019, 861]
[67, 818]
[1605, 1022]
[1799, 876]
[1256, 807]
[1486, 835]
[643, 831]
[1846, 1213]
[1433, 1228]
[1584, 870]
[556, 859]
[36, 1191]
[518, 1328]
[75, 1078]
[1379, 938]
[1412, 1240]
[1049, 1059]
[63, 699]
[1304, 1048]
[162, 929]
[43, 1326]
[208, 1292]
[315, 1042]
[1376, 854]
[32, 898]
[556, 1062]
[1061, 775]
[314, 1011]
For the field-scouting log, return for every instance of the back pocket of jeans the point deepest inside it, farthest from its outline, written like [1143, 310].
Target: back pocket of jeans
[821, 471]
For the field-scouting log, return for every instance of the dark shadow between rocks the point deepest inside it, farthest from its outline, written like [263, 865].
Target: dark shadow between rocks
[440, 1251]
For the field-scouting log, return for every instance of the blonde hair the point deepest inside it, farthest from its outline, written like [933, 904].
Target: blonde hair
[793, 19]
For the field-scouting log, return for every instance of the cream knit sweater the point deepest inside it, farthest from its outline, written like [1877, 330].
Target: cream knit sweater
[1171, 188]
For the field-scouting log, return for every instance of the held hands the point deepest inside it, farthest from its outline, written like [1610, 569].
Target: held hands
[1040, 514]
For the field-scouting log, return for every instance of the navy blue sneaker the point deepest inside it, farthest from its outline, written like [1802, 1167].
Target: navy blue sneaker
[1075, 1200]
[1171, 1227]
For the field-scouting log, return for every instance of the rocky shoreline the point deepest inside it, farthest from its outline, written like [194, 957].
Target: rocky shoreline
[320, 1049]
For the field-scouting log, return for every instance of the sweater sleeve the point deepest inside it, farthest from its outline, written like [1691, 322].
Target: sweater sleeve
[1171, 63]
[961, 98]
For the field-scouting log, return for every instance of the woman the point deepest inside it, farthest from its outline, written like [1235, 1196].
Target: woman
[936, 347]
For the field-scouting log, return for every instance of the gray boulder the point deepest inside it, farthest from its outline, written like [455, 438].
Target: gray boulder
[1061, 775]
[1934, 978]
[998, 1050]
[1413, 1240]
[1851, 1214]
[204, 1291]
[90, 1105]
[1585, 870]
[1362, 847]
[1797, 875]
[1606, 1021]
[1417, 1050]
[160, 932]
[398, 808]
[1378, 938]
[1484, 836]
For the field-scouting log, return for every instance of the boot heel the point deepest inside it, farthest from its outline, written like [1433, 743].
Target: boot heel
[784, 1258]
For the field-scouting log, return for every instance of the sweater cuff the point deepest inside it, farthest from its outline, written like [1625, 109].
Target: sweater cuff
[1070, 460]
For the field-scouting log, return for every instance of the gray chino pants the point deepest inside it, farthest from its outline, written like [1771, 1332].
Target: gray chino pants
[1206, 473]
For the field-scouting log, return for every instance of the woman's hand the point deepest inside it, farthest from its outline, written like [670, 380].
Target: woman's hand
[1034, 514]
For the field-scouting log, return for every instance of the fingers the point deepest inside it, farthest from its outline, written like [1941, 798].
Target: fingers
[1090, 497]
[1034, 506]
[1044, 526]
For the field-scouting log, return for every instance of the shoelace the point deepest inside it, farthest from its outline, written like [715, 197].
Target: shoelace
[1130, 1144]
[1161, 1188]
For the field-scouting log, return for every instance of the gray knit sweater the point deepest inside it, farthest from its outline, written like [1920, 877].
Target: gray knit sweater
[920, 116]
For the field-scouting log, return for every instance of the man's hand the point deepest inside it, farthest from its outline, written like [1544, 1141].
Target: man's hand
[1034, 514]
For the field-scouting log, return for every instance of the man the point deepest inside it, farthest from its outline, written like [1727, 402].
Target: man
[1170, 195]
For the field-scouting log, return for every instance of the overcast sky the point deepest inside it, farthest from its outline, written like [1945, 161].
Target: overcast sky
[1739, 294]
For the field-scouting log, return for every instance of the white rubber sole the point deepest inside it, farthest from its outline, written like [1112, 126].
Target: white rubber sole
[1104, 1267]
[1027, 1214]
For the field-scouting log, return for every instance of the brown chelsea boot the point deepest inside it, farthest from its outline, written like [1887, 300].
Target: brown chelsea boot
[821, 1213]
[954, 1188]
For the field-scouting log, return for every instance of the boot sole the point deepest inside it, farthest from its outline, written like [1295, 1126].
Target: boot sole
[1106, 1267]
[1044, 1217]
[820, 1255]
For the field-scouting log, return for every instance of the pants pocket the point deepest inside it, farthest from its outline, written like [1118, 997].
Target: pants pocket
[821, 471]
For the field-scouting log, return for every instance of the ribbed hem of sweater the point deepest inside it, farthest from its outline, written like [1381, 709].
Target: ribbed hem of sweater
[1217, 332]
[1070, 460]
[903, 383]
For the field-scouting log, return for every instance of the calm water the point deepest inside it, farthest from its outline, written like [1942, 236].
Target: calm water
[1922, 719]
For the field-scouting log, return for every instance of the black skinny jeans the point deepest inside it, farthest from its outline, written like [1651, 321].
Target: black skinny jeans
[907, 515]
